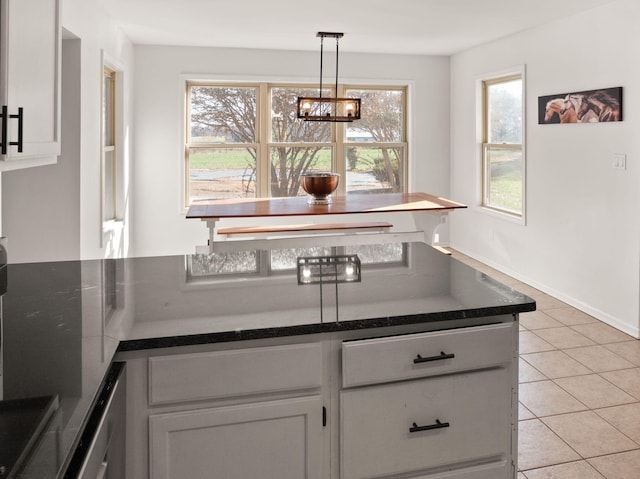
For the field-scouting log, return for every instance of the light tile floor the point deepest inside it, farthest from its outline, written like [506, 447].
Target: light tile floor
[579, 392]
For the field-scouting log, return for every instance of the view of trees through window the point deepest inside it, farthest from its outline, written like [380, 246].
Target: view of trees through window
[223, 149]
[296, 146]
[382, 129]
[245, 141]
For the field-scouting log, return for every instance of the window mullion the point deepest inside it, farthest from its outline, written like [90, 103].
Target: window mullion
[263, 117]
[339, 164]
[186, 181]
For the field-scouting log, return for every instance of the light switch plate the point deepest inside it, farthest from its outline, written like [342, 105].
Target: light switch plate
[619, 161]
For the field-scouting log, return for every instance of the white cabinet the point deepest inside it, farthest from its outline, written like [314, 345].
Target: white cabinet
[233, 413]
[270, 440]
[410, 356]
[30, 93]
[442, 402]
[234, 373]
[408, 403]
[414, 425]
[279, 439]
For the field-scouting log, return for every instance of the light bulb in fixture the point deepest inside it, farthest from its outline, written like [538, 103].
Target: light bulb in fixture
[348, 270]
[306, 272]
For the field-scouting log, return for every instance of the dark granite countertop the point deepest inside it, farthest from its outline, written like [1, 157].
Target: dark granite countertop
[62, 322]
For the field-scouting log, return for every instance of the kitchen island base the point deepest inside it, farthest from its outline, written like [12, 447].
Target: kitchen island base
[425, 401]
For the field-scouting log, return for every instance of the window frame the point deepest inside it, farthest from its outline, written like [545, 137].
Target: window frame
[190, 145]
[486, 147]
[264, 143]
[403, 143]
[111, 229]
[109, 138]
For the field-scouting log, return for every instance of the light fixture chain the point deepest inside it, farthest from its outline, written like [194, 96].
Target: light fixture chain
[321, 56]
[337, 55]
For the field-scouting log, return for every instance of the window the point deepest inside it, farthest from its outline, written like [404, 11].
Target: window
[223, 141]
[244, 141]
[296, 146]
[503, 165]
[109, 152]
[376, 145]
[260, 263]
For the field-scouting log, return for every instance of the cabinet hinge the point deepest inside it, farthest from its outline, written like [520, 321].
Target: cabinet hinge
[324, 416]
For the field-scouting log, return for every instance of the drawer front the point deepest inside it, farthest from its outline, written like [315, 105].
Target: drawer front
[385, 428]
[220, 374]
[411, 356]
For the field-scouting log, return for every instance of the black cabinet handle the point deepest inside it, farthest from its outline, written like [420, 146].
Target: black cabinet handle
[20, 117]
[437, 425]
[5, 122]
[439, 357]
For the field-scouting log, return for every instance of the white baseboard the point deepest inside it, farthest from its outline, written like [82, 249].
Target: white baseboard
[571, 301]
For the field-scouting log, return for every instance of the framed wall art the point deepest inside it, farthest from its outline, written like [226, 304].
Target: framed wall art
[591, 106]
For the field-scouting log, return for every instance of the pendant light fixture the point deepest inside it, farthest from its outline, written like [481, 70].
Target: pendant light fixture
[326, 108]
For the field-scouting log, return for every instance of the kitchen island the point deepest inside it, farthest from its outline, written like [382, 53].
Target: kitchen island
[218, 346]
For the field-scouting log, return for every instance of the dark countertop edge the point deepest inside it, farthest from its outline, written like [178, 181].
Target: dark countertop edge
[304, 329]
[77, 455]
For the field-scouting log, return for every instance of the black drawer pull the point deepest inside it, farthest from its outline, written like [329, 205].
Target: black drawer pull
[20, 118]
[5, 125]
[437, 425]
[439, 357]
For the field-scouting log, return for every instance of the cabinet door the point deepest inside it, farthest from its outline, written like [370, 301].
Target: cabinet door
[30, 69]
[270, 440]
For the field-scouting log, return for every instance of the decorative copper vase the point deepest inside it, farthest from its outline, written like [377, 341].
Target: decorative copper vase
[320, 185]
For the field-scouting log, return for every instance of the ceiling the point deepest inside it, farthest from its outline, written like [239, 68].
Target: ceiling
[425, 27]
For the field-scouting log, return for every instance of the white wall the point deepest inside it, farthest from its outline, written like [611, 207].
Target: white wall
[100, 37]
[160, 226]
[53, 212]
[581, 238]
[42, 211]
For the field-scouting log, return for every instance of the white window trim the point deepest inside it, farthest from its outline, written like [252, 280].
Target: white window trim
[113, 225]
[108, 62]
[479, 206]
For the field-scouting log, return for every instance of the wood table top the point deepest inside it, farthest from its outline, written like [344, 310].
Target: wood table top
[297, 206]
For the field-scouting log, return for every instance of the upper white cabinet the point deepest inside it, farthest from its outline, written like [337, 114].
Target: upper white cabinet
[30, 36]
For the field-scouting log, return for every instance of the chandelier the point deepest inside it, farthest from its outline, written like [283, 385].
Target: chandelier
[328, 109]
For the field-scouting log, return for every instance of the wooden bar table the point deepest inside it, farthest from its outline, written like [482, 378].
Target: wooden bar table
[428, 212]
